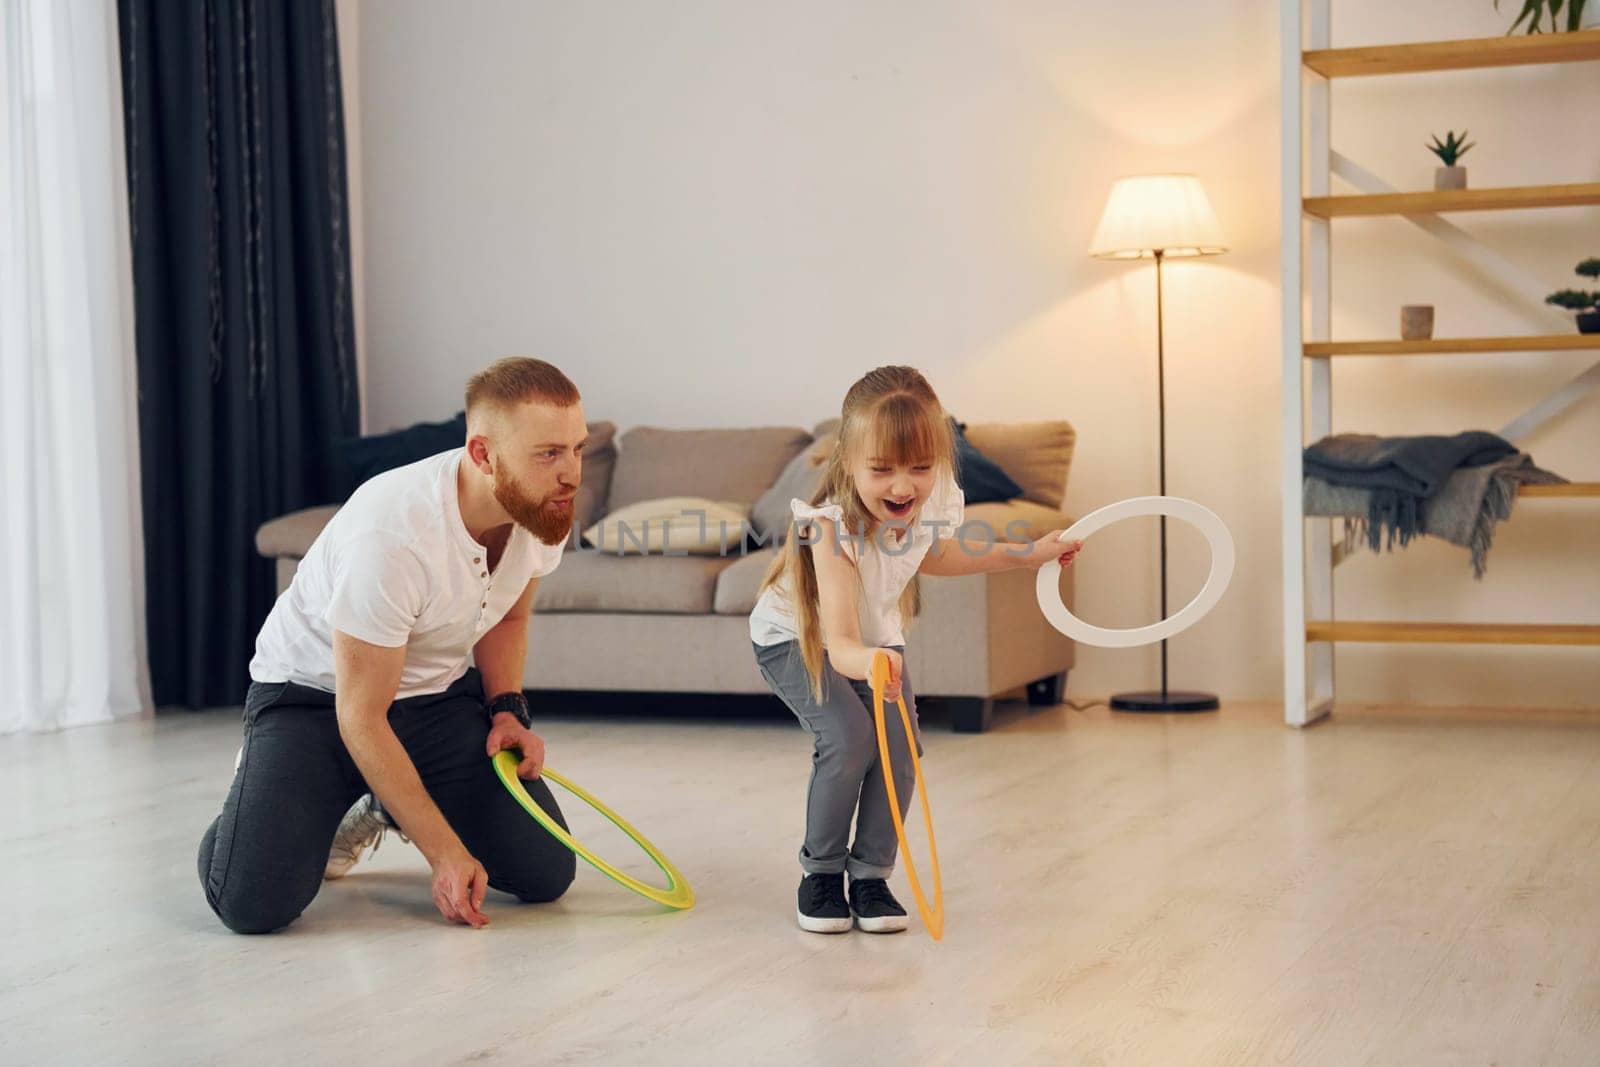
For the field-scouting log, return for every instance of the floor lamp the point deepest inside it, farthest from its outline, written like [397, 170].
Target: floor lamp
[1153, 216]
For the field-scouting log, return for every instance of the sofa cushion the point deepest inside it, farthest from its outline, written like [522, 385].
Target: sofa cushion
[1037, 455]
[982, 480]
[599, 460]
[689, 524]
[740, 584]
[718, 464]
[771, 518]
[593, 581]
[290, 536]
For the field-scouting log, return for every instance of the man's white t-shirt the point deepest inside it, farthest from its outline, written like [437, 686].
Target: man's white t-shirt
[396, 566]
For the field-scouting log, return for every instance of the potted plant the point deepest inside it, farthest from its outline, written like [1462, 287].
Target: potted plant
[1534, 13]
[1452, 148]
[1586, 303]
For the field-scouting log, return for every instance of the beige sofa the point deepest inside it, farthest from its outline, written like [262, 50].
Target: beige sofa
[657, 624]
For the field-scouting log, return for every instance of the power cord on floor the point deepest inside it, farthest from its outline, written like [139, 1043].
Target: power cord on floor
[1085, 705]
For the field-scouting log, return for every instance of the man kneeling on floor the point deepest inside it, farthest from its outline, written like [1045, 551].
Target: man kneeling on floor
[362, 685]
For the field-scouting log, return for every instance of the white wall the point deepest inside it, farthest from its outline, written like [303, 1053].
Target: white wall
[721, 213]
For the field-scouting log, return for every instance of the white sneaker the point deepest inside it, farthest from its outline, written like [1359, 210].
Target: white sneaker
[363, 827]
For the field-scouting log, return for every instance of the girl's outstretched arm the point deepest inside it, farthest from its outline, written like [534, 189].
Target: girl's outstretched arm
[952, 556]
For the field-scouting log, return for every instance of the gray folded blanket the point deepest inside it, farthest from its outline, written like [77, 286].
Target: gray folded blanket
[1463, 510]
[1416, 465]
[1399, 473]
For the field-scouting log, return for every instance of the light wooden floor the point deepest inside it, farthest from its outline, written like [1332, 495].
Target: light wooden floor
[1402, 888]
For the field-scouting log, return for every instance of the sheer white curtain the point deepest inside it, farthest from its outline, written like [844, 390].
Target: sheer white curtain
[72, 640]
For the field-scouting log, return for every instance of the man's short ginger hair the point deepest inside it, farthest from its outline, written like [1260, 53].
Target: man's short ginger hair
[509, 382]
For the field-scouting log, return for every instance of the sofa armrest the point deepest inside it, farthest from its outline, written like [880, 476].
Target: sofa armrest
[982, 634]
[290, 536]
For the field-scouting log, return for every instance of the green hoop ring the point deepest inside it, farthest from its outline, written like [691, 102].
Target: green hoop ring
[677, 895]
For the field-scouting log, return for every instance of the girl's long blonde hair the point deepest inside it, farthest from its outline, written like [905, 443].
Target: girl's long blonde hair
[893, 414]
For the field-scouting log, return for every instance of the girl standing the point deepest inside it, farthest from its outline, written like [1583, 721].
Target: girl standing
[888, 508]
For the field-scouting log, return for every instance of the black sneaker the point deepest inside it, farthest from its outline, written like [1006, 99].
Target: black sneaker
[875, 909]
[822, 908]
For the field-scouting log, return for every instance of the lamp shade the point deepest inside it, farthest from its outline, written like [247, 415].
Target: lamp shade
[1150, 213]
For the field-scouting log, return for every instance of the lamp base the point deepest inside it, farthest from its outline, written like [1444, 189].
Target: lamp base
[1173, 700]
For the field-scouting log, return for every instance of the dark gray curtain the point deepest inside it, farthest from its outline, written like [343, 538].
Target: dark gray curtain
[236, 176]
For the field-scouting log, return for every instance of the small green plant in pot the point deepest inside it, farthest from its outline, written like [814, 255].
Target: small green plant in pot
[1450, 150]
[1563, 16]
[1585, 302]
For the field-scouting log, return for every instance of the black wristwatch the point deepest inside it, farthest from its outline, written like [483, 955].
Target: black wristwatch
[513, 702]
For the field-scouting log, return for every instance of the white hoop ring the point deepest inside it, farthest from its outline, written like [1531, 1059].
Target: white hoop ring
[1205, 520]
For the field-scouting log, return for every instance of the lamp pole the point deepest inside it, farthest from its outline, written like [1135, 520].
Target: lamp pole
[1161, 405]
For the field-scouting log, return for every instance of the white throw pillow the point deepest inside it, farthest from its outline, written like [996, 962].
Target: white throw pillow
[680, 524]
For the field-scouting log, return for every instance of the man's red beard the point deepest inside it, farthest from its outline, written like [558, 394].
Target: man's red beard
[542, 518]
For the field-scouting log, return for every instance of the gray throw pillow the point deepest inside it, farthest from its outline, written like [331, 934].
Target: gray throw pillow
[771, 517]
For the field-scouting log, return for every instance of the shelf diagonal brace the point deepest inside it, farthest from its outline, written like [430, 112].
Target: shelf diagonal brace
[1502, 272]
[1535, 418]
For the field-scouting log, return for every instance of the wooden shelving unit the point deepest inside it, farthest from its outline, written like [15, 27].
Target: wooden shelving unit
[1471, 54]
[1570, 490]
[1435, 202]
[1452, 633]
[1311, 628]
[1457, 346]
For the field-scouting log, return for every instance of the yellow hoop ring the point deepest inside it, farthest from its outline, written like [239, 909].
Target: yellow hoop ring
[932, 918]
[677, 894]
